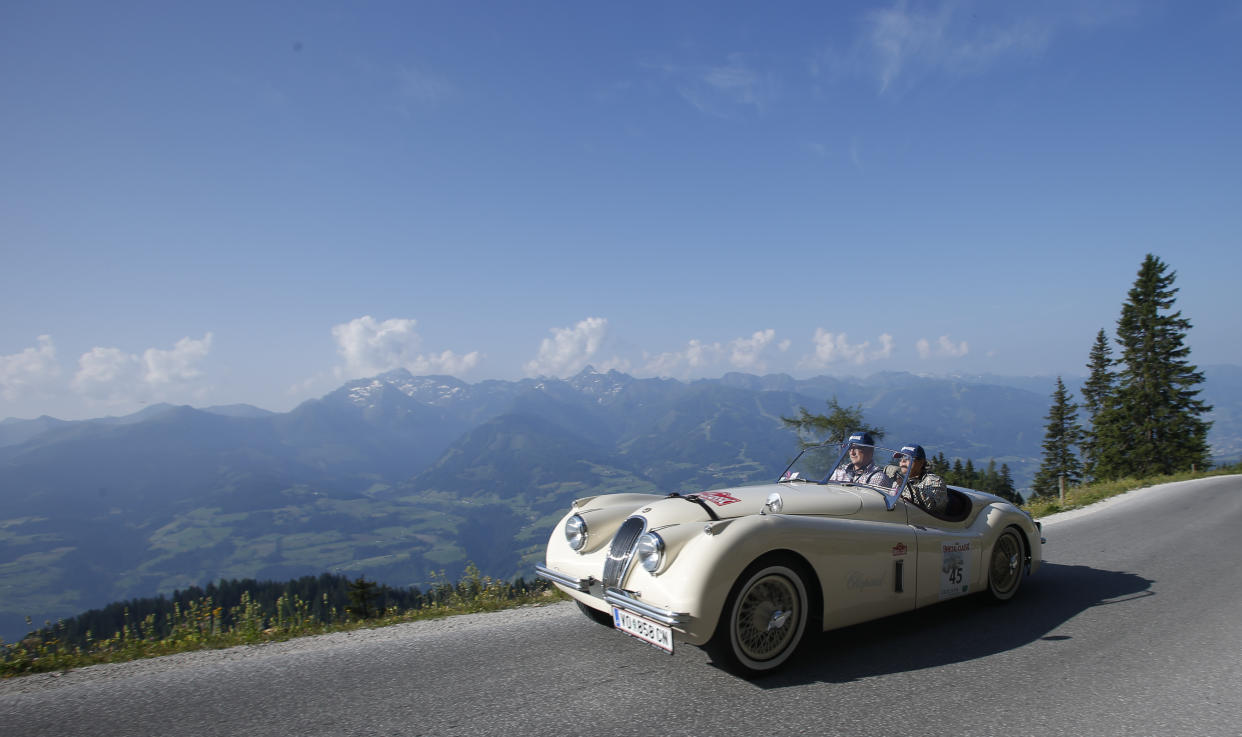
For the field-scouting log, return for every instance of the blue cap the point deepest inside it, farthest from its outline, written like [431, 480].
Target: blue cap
[862, 438]
[914, 451]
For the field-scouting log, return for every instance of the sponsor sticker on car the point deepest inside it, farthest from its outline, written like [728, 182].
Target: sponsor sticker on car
[644, 629]
[954, 569]
[719, 498]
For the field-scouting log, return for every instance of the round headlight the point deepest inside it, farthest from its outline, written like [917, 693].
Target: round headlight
[576, 532]
[650, 551]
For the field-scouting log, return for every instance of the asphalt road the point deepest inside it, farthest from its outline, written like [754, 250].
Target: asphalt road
[1133, 627]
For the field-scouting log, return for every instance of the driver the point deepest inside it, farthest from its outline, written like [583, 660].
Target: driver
[860, 469]
[926, 490]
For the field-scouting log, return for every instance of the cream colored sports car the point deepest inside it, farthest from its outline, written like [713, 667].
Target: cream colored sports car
[746, 571]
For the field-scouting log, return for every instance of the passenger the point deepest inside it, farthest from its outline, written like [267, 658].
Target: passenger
[860, 469]
[926, 490]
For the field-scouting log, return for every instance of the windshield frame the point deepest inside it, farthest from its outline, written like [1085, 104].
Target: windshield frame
[841, 452]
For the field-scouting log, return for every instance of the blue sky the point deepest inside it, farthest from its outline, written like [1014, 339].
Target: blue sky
[220, 203]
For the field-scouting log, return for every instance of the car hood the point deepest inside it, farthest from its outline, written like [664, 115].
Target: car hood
[796, 498]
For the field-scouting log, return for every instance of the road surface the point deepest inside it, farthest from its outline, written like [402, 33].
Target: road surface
[1132, 627]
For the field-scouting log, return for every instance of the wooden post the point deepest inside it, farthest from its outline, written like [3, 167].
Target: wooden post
[1061, 484]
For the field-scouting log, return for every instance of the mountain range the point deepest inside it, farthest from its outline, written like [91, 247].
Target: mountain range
[403, 478]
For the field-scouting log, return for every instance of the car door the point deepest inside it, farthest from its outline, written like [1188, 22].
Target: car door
[866, 569]
[948, 557]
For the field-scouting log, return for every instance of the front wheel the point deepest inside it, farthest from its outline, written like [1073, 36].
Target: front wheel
[1006, 566]
[595, 615]
[764, 618]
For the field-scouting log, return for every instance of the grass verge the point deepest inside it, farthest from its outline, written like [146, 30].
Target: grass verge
[1080, 496]
[202, 626]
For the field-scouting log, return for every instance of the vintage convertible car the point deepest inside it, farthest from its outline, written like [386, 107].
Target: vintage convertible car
[746, 571]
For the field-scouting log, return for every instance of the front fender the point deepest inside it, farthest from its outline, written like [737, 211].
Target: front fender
[698, 581]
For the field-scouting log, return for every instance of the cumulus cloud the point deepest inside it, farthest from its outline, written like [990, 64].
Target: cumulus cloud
[176, 365]
[570, 349]
[743, 354]
[747, 353]
[445, 362]
[370, 347]
[944, 348]
[108, 373]
[32, 369]
[111, 374]
[832, 348]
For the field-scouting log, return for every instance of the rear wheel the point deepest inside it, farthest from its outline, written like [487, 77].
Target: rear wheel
[1006, 566]
[596, 615]
[764, 618]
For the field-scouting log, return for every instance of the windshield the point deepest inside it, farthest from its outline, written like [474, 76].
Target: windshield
[850, 463]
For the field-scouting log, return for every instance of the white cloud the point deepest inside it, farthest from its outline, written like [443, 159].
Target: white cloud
[743, 354]
[370, 347]
[569, 350]
[944, 348]
[906, 42]
[951, 349]
[30, 370]
[747, 353]
[176, 365]
[111, 374]
[832, 348]
[716, 89]
[445, 362]
[108, 373]
[679, 363]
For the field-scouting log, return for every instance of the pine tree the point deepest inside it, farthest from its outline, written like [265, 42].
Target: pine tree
[1152, 424]
[1007, 489]
[362, 595]
[1096, 392]
[989, 480]
[1062, 435]
[833, 427]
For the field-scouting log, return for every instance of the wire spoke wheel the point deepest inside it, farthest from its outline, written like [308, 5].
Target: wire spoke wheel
[1006, 566]
[767, 613]
[764, 617]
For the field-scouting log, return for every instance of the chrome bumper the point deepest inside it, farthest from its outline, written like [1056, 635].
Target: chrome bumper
[616, 597]
[624, 600]
[577, 584]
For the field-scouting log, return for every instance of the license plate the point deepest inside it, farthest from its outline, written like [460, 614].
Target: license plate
[643, 628]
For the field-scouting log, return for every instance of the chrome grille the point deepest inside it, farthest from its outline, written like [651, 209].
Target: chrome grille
[622, 550]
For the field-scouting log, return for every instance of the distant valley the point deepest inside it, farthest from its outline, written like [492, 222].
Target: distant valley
[400, 477]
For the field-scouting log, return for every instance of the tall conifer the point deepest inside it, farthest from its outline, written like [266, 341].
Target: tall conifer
[1062, 435]
[1007, 489]
[1153, 422]
[1095, 393]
